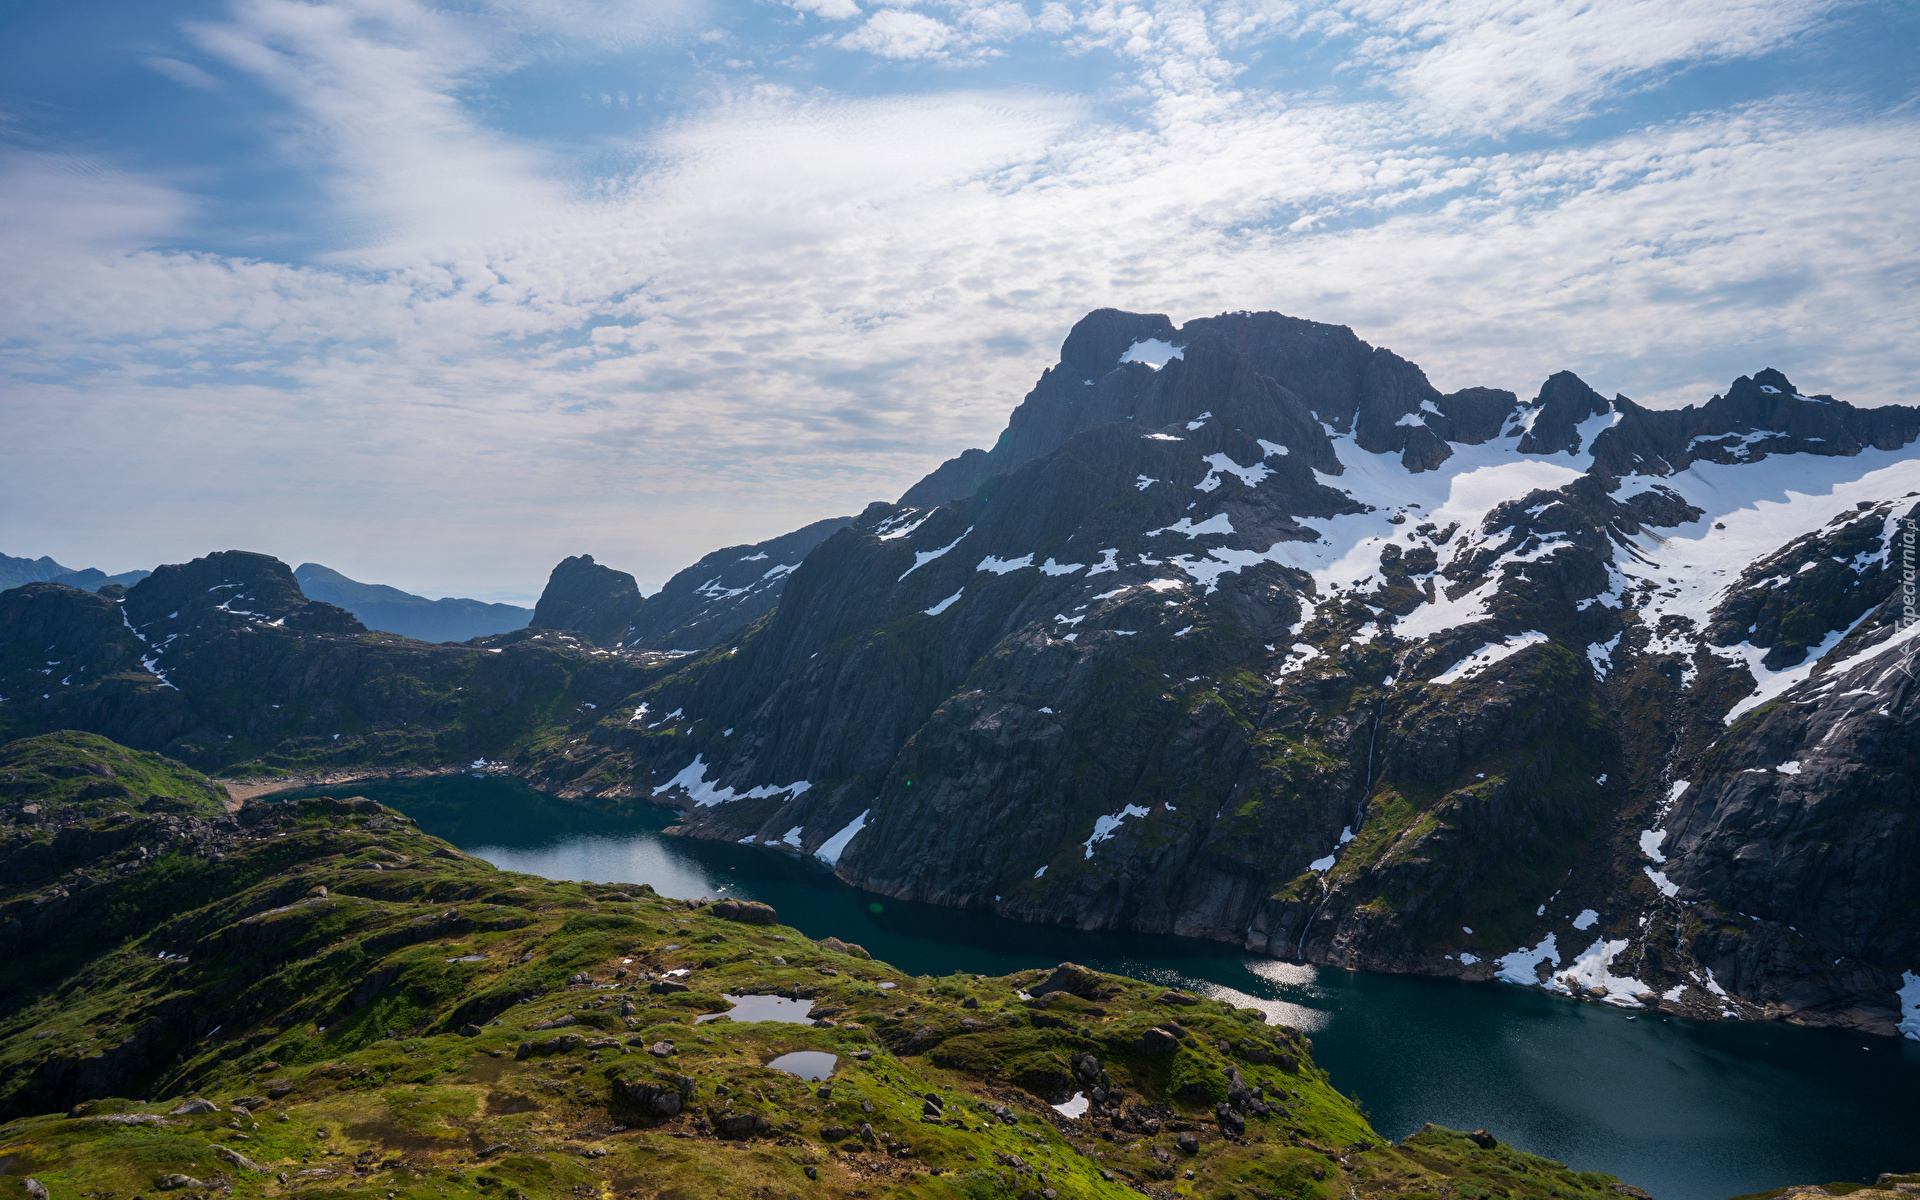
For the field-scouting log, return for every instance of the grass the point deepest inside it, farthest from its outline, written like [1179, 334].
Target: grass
[396, 1035]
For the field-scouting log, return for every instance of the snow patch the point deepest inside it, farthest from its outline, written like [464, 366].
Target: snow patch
[1667, 887]
[1051, 567]
[1151, 352]
[705, 794]
[1076, 1107]
[1000, 566]
[1488, 655]
[1600, 654]
[897, 526]
[1103, 827]
[946, 604]
[1217, 523]
[1592, 968]
[831, 849]
[1220, 464]
[922, 557]
[1650, 841]
[1586, 920]
[1910, 1006]
[1522, 966]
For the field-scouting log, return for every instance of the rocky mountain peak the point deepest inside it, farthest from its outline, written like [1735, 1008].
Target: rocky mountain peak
[1556, 421]
[592, 599]
[240, 582]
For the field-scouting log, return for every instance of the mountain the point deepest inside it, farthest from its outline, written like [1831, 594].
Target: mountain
[224, 662]
[698, 608]
[93, 579]
[1244, 631]
[1276, 643]
[312, 995]
[378, 606]
[16, 571]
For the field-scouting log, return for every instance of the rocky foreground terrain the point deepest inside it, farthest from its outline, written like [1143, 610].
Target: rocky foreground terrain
[1241, 630]
[314, 999]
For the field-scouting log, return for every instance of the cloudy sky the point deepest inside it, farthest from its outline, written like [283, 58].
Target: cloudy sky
[437, 294]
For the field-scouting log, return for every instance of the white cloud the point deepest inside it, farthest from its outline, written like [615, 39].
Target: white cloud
[891, 33]
[828, 10]
[1490, 65]
[790, 303]
[183, 73]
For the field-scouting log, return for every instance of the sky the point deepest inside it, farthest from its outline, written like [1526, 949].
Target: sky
[439, 293]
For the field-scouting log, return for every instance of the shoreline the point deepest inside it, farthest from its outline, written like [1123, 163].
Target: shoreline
[239, 791]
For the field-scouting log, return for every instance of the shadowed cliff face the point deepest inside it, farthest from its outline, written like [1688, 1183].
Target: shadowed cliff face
[1243, 630]
[1270, 641]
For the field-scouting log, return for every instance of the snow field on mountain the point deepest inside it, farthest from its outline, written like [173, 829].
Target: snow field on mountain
[1763, 506]
[1463, 490]
[1910, 1005]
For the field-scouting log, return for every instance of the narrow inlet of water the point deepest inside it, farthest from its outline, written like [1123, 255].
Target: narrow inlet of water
[1687, 1110]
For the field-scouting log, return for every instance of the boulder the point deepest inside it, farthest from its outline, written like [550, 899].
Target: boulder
[238, 1159]
[749, 912]
[1188, 1143]
[839, 947]
[193, 1108]
[665, 987]
[649, 1097]
[168, 1183]
[1156, 1041]
[1483, 1139]
[1184, 998]
[741, 1125]
[1071, 978]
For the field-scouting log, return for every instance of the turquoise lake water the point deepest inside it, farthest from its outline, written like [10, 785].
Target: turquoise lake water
[1687, 1110]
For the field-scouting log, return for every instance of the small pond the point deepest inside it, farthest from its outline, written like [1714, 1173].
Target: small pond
[812, 1065]
[762, 1008]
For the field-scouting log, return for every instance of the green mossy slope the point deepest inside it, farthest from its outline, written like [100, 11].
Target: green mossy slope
[362, 1009]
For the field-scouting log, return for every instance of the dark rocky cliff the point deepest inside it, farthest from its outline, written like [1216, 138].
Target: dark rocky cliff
[1276, 643]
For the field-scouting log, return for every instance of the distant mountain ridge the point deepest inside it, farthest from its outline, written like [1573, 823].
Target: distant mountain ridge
[16, 571]
[697, 609]
[379, 606]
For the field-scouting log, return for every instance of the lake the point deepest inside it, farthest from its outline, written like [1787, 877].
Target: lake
[1687, 1110]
